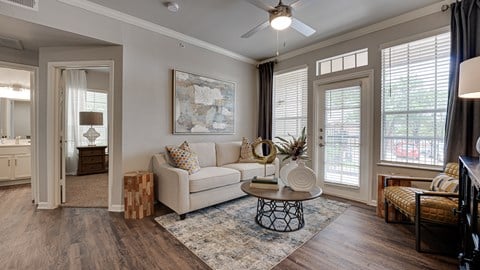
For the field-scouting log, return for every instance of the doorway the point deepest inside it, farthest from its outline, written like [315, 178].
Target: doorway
[17, 126]
[84, 94]
[343, 135]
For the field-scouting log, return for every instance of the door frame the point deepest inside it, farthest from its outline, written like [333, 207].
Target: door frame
[54, 182]
[367, 108]
[34, 170]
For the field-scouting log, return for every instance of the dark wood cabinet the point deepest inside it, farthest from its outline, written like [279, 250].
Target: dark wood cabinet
[468, 208]
[91, 159]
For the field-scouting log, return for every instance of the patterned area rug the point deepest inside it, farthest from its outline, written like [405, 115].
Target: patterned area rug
[226, 236]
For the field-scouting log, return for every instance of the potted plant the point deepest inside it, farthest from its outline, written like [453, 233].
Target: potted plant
[293, 149]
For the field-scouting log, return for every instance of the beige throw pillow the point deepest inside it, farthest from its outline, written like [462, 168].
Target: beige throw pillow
[246, 152]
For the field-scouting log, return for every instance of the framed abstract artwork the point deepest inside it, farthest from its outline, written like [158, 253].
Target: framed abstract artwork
[202, 105]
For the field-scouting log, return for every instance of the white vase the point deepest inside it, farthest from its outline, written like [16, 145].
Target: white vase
[285, 170]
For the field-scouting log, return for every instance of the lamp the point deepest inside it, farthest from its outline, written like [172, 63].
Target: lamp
[469, 83]
[281, 17]
[91, 119]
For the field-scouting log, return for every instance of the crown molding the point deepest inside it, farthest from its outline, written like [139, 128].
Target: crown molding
[126, 18]
[406, 17]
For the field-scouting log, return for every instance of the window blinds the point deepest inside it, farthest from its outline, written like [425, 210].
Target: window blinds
[414, 100]
[290, 102]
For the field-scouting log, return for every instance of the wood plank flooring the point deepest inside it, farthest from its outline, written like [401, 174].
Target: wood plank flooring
[93, 238]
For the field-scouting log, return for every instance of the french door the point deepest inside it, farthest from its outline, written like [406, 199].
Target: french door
[343, 138]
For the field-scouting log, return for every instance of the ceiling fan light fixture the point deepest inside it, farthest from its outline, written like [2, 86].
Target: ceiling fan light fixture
[281, 18]
[281, 22]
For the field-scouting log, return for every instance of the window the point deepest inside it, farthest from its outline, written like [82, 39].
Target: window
[96, 102]
[414, 100]
[342, 62]
[289, 102]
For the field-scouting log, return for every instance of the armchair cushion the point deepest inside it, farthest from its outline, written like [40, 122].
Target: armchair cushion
[433, 209]
[444, 183]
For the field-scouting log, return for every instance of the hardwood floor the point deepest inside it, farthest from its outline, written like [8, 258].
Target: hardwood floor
[93, 238]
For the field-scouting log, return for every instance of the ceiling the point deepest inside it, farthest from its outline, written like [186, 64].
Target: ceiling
[34, 36]
[222, 22]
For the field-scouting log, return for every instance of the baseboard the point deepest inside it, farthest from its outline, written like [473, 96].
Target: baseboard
[45, 206]
[116, 208]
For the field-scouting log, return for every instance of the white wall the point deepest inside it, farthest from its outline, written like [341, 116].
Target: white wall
[372, 42]
[145, 94]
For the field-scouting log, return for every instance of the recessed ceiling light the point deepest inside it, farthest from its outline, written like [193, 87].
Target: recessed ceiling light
[172, 6]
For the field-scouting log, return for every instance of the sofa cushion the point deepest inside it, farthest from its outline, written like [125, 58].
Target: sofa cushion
[206, 153]
[227, 152]
[249, 170]
[213, 177]
[184, 159]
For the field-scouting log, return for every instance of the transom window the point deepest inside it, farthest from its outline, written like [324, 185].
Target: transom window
[343, 62]
[414, 100]
[289, 102]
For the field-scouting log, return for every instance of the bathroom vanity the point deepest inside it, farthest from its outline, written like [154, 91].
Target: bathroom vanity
[15, 161]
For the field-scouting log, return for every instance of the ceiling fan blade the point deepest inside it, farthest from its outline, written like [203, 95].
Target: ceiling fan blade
[256, 29]
[298, 3]
[302, 28]
[260, 5]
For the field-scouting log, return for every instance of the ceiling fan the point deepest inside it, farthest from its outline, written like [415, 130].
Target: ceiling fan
[280, 18]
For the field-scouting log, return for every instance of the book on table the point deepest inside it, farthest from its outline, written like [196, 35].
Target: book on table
[264, 183]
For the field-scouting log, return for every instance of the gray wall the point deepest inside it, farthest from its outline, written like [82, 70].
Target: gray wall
[19, 57]
[145, 94]
[97, 80]
[372, 42]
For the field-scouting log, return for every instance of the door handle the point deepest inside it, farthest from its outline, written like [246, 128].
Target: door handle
[15, 162]
[9, 163]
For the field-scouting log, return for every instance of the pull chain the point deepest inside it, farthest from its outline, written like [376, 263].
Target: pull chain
[277, 44]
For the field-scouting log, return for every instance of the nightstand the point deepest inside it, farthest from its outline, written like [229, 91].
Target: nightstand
[91, 160]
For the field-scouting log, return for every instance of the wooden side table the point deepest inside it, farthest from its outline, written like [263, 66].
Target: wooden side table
[138, 194]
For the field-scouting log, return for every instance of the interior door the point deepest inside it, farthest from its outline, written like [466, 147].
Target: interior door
[61, 131]
[343, 139]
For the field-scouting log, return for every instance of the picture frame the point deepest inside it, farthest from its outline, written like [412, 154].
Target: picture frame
[202, 105]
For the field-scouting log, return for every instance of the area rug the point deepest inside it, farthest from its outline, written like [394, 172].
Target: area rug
[226, 236]
[87, 191]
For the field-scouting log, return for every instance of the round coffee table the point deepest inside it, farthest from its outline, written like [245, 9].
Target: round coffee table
[280, 210]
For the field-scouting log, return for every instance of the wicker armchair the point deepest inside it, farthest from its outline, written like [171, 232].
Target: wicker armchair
[425, 206]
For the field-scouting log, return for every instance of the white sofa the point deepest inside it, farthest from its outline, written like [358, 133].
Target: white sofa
[218, 180]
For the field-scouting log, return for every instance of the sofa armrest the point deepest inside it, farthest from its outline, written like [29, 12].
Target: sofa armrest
[171, 185]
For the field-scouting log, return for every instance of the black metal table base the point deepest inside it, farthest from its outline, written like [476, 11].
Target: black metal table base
[280, 216]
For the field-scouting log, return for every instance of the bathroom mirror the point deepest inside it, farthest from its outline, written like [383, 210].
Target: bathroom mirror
[14, 118]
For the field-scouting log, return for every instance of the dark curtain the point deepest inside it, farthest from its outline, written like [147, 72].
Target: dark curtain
[463, 115]
[265, 100]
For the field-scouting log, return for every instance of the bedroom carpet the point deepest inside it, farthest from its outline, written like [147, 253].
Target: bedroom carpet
[226, 236]
[87, 191]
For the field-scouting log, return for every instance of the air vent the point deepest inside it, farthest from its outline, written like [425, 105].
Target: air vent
[30, 4]
[11, 43]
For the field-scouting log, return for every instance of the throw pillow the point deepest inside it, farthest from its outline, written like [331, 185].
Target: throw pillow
[246, 152]
[444, 183]
[184, 159]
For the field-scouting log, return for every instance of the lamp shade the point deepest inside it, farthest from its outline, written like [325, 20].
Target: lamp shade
[91, 118]
[469, 79]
